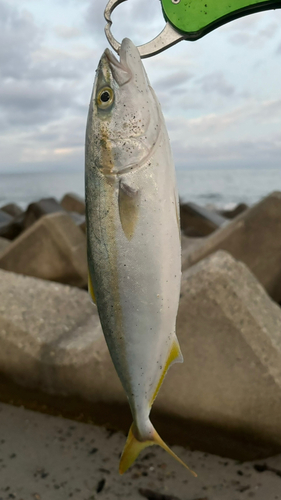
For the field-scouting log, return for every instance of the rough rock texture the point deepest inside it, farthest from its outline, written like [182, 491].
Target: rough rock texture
[199, 221]
[4, 243]
[53, 248]
[73, 203]
[254, 237]
[51, 338]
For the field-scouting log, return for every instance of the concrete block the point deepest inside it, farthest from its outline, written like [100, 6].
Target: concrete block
[73, 203]
[80, 220]
[199, 221]
[40, 208]
[10, 227]
[254, 237]
[4, 243]
[188, 243]
[51, 339]
[53, 248]
[224, 398]
[230, 336]
[12, 209]
[231, 214]
[5, 222]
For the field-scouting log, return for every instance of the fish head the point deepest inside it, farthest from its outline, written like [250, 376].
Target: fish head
[123, 122]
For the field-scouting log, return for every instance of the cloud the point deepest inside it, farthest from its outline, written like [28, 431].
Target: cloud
[173, 81]
[229, 139]
[265, 113]
[38, 84]
[216, 82]
[25, 106]
[139, 20]
[47, 71]
[18, 37]
[254, 31]
[67, 32]
[57, 145]
[228, 154]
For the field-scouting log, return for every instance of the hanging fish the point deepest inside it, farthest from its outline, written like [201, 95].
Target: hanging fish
[133, 233]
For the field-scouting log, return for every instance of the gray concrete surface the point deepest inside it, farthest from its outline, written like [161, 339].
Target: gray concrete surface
[53, 248]
[197, 220]
[254, 237]
[73, 203]
[4, 243]
[217, 400]
[229, 331]
[50, 458]
[51, 339]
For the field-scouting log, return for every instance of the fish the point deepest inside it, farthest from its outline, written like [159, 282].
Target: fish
[133, 236]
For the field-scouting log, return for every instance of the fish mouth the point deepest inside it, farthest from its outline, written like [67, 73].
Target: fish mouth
[120, 70]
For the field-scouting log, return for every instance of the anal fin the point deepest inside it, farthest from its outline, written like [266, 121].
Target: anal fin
[175, 356]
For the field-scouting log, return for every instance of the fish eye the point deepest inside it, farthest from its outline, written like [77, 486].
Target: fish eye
[105, 98]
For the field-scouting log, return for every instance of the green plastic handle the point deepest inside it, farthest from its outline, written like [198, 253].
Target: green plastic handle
[196, 18]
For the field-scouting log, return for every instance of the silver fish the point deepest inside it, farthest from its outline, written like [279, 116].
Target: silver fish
[133, 234]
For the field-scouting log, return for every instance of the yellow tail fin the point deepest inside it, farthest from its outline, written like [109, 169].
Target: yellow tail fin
[133, 447]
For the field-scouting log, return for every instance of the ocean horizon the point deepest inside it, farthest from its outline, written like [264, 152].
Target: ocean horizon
[221, 188]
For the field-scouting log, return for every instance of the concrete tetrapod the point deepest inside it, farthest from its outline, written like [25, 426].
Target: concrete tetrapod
[254, 237]
[230, 336]
[51, 339]
[73, 203]
[53, 248]
[224, 398]
[4, 243]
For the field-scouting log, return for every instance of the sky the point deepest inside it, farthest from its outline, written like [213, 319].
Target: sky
[221, 95]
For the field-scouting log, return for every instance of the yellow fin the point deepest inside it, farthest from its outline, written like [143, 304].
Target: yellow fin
[157, 440]
[133, 447]
[91, 289]
[128, 202]
[175, 356]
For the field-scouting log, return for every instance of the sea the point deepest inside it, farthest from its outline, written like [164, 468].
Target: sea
[214, 188]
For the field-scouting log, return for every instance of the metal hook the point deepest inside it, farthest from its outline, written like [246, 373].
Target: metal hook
[167, 38]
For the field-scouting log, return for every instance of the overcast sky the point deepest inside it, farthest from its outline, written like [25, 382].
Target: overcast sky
[221, 95]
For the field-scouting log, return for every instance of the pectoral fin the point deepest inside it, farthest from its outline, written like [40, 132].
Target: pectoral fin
[128, 201]
[175, 356]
